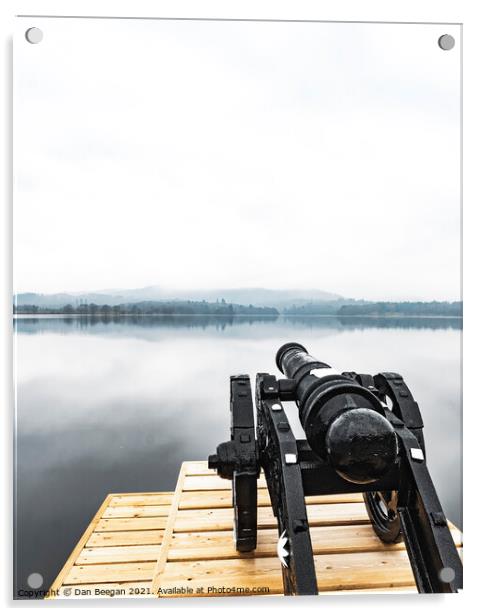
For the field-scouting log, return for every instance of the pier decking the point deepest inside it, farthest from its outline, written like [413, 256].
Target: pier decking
[180, 544]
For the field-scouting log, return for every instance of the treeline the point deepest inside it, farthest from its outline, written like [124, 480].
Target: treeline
[406, 309]
[221, 308]
[379, 309]
[315, 308]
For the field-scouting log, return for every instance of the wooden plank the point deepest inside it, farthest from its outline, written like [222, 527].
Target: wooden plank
[363, 570]
[325, 540]
[399, 590]
[213, 499]
[137, 494]
[57, 583]
[222, 519]
[140, 500]
[115, 524]
[198, 467]
[334, 572]
[146, 537]
[116, 554]
[168, 532]
[149, 511]
[212, 482]
[117, 572]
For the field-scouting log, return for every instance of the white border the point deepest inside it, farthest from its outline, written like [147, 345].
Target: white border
[467, 12]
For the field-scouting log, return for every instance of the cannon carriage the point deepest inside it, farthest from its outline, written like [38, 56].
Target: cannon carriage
[364, 434]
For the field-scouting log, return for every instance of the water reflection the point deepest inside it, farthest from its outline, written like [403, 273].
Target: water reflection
[115, 405]
[93, 324]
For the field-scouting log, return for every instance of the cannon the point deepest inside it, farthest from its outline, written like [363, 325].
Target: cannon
[364, 434]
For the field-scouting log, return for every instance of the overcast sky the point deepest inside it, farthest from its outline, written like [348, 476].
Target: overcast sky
[224, 154]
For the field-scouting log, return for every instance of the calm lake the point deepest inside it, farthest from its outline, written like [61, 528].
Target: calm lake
[116, 405]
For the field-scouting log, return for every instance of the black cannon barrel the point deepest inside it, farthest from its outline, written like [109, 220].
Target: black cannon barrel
[344, 423]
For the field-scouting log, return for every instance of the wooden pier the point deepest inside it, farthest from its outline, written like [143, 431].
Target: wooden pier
[163, 544]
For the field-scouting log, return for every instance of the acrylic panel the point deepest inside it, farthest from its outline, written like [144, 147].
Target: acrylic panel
[282, 177]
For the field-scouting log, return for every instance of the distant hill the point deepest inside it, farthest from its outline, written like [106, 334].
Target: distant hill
[276, 298]
[57, 300]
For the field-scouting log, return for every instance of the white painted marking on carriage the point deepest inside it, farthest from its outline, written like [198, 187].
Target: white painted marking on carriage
[417, 454]
[291, 458]
[281, 549]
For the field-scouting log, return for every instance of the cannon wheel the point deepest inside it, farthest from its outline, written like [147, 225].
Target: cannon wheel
[382, 511]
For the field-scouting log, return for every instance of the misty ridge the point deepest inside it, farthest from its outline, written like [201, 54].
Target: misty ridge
[225, 302]
[256, 296]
